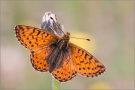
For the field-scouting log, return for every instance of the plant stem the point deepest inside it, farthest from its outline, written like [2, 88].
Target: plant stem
[56, 85]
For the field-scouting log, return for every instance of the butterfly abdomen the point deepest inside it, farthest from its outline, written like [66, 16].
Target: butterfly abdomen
[58, 53]
[56, 57]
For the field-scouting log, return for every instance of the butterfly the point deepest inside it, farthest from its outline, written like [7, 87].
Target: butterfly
[56, 54]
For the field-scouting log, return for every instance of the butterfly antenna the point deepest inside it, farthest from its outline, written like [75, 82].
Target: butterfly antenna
[58, 26]
[81, 38]
[53, 30]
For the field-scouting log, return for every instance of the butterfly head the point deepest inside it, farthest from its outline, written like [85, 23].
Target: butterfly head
[64, 40]
[67, 34]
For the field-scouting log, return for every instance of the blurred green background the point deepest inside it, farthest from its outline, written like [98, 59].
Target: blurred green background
[109, 25]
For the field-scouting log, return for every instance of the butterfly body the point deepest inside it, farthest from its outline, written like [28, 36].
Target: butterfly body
[58, 52]
[63, 59]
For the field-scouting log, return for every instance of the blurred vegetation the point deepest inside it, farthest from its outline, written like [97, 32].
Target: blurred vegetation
[108, 24]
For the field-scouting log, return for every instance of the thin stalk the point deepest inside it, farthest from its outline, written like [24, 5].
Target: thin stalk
[56, 85]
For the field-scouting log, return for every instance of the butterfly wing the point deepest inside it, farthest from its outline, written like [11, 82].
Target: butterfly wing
[38, 59]
[66, 72]
[33, 38]
[85, 63]
[38, 41]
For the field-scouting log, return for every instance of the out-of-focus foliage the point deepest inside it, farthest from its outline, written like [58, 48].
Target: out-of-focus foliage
[108, 24]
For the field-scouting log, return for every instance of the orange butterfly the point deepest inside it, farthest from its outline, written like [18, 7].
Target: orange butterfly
[63, 59]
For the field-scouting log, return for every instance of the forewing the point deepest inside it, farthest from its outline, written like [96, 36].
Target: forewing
[66, 72]
[85, 63]
[33, 38]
